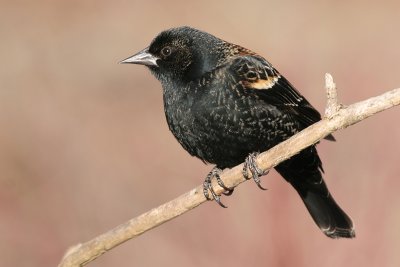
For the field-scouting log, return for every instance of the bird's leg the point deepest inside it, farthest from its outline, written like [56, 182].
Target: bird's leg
[207, 186]
[251, 165]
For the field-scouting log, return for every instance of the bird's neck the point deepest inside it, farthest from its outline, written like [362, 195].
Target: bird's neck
[174, 91]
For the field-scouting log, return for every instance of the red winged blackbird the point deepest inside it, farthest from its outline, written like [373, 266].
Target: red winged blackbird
[224, 104]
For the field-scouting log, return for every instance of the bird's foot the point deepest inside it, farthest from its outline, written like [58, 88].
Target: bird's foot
[207, 186]
[251, 165]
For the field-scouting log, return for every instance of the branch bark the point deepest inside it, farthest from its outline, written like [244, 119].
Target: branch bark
[336, 117]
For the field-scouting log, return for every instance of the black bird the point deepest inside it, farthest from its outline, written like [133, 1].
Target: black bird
[225, 104]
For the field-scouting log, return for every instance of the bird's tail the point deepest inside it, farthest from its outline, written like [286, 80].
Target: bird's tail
[303, 172]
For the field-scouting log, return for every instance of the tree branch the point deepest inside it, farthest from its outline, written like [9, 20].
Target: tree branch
[332, 104]
[336, 117]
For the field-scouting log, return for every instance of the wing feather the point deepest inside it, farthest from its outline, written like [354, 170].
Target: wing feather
[259, 77]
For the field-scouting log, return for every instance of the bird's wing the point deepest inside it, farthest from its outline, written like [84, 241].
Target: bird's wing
[257, 76]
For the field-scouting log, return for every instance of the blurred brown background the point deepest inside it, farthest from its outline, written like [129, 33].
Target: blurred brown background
[84, 145]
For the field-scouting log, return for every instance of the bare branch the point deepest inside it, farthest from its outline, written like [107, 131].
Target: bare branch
[332, 104]
[336, 117]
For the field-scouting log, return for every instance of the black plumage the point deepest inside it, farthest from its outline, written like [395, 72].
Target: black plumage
[224, 102]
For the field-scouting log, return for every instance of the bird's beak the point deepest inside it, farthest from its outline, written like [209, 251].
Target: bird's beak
[143, 58]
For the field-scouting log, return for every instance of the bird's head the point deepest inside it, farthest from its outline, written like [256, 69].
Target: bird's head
[183, 54]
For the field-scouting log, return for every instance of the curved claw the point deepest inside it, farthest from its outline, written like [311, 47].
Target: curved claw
[261, 187]
[251, 165]
[207, 186]
[228, 192]
[216, 172]
[218, 200]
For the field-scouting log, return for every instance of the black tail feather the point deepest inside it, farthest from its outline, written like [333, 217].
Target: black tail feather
[332, 220]
[303, 171]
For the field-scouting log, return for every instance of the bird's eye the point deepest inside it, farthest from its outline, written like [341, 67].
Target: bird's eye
[166, 51]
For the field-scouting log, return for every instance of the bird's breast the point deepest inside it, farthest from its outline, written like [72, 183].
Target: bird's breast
[221, 126]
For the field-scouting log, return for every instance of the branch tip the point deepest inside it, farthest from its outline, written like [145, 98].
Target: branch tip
[332, 105]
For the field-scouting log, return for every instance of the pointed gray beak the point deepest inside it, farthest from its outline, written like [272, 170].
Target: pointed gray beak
[142, 58]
